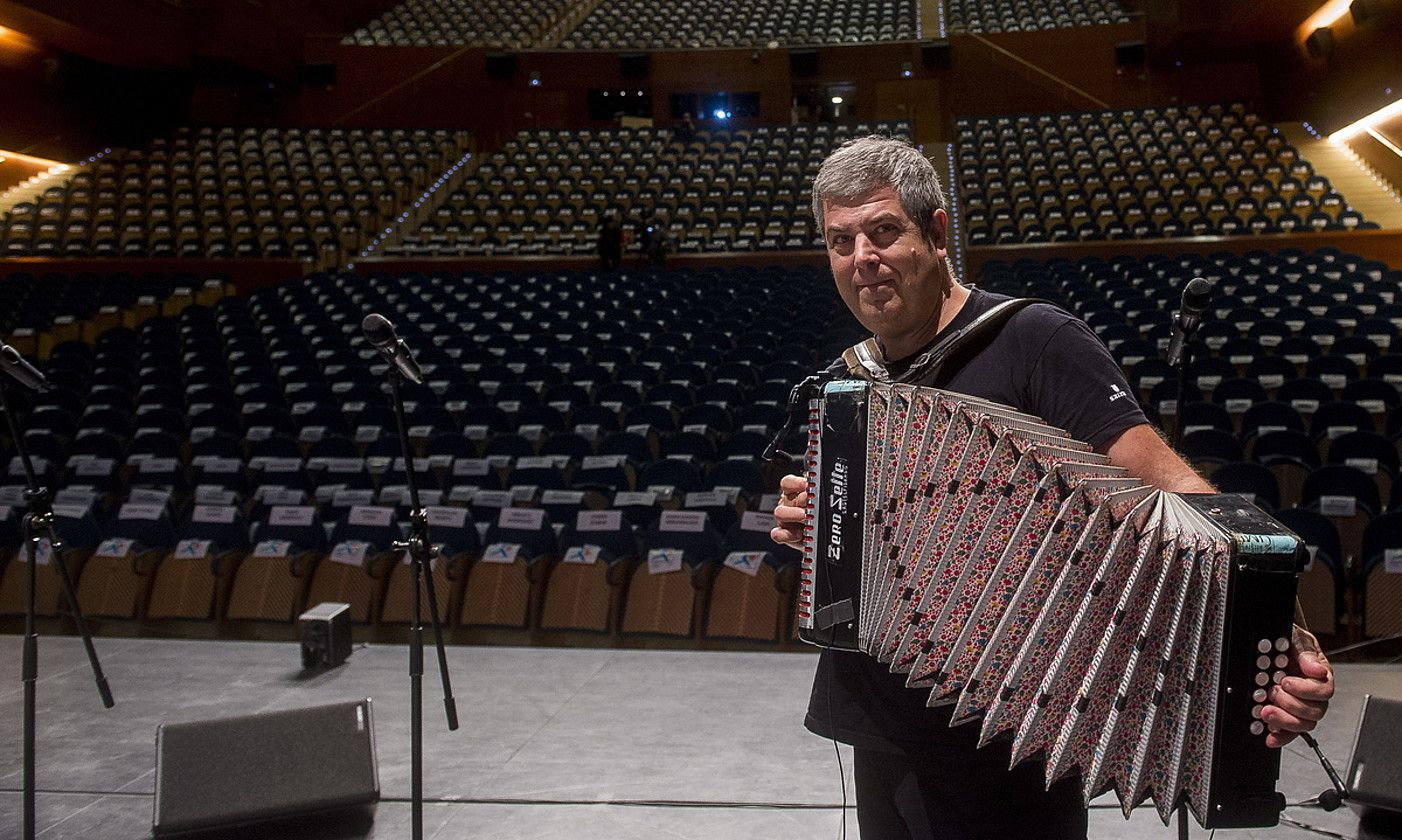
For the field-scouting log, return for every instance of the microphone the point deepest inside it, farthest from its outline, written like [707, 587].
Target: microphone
[1195, 297]
[380, 333]
[1329, 800]
[20, 370]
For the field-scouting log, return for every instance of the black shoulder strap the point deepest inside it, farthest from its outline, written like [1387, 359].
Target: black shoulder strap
[938, 364]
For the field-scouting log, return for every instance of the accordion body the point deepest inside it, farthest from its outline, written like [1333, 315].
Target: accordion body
[1122, 633]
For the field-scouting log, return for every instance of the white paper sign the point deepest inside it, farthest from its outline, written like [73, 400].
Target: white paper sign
[291, 515]
[221, 514]
[447, 517]
[601, 462]
[114, 547]
[629, 498]
[598, 520]
[1338, 505]
[274, 495]
[706, 498]
[491, 499]
[521, 519]
[661, 561]
[157, 465]
[560, 497]
[95, 467]
[377, 517]
[501, 553]
[682, 521]
[1367, 465]
[582, 555]
[192, 549]
[139, 510]
[471, 467]
[753, 520]
[350, 552]
[745, 561]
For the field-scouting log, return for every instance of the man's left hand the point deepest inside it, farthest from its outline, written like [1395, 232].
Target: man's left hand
[1302, 697]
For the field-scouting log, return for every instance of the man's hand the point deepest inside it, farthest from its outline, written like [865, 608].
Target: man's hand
[1302, 698]
[792, 511]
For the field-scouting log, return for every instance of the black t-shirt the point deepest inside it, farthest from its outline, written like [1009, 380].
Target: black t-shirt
[1044, 362]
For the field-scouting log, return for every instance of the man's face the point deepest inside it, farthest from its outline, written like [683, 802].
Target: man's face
[886, 272]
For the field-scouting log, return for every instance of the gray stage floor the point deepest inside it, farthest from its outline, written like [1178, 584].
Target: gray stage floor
[555, 743]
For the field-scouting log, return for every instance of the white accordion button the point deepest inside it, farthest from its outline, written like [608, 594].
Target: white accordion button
[1264, 646]
[1257, 728]
[1282, 644]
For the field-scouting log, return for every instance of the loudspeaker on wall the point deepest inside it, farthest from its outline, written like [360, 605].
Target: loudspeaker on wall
[803, 62]
[935, 55]
[501, 66]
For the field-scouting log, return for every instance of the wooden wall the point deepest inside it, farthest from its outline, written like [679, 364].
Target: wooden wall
[448, 87]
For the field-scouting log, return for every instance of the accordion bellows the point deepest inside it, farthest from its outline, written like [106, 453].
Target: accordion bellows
[1114, 631]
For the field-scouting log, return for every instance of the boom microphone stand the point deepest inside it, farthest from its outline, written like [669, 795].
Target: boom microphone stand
[1180, 350]
[1180, 353]
[39, 524]
[401, 365]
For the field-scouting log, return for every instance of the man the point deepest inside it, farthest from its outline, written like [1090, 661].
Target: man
[881, 211]
[610, 245]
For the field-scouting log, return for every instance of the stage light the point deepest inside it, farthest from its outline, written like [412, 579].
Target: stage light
[721, 114]
[1378, 117]
[535, 78]
[905, 70]
[837, 100]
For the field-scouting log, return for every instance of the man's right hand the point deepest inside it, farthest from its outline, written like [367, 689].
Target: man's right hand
[792, 511]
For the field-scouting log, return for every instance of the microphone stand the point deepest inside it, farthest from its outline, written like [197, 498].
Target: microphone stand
[39, 524]
[1187, 326]
[418, 546]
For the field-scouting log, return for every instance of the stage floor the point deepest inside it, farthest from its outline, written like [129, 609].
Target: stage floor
[554, 743]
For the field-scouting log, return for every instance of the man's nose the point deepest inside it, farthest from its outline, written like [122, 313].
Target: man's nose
[866, 251]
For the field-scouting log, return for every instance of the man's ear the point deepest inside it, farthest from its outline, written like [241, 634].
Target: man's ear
[940, 229]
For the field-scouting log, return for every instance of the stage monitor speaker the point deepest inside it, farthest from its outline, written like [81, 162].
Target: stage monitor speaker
[1362, 11]
[1375, 771]
[1320, 43]
[935, 55]
[1130, 53]
[319, 73]
[238, 771]
[803, 62]
[501, 66]
[634, 65]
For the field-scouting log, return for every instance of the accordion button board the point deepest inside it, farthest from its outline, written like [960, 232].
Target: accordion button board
[1122, 634]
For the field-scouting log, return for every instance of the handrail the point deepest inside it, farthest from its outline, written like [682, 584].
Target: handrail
[1034, 68]
[435, 66]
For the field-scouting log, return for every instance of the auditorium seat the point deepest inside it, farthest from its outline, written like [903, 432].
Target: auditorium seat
[457, 546]
[668, 584]
[270, 583]
[1322, 590]
[1187, 164]
[753, 589]
[192, 581]
[584, 590]
[117, 577]
[694, 193]
[505, 583]
[358, 561]
[1381, 565]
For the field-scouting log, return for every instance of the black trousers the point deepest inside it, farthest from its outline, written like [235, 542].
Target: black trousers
[952, 795]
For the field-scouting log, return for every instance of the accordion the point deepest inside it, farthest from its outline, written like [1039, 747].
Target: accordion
[1123, 633]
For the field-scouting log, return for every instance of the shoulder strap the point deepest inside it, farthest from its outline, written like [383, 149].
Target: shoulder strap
[941, 362]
